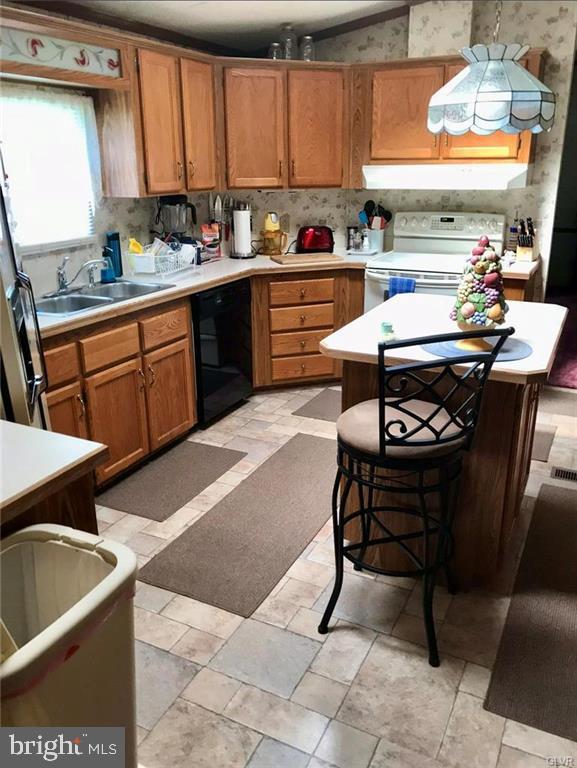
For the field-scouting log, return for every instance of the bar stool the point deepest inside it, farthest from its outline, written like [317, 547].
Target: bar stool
[409, 441]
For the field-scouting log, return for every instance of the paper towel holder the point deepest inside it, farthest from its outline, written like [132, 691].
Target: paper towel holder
[242, 234]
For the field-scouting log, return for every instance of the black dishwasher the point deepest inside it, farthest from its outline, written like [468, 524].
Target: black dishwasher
[222, 348]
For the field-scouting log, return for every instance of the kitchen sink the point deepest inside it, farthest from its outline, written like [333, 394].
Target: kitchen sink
[94, 296]
[122, 290]
[72, 302]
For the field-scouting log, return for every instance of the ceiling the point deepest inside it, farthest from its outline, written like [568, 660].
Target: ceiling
[245, 25]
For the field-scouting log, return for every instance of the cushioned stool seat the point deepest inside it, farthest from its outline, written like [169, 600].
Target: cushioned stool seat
[359, 427]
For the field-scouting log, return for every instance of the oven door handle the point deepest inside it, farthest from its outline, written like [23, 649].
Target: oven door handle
[379, 277]
[40, 382]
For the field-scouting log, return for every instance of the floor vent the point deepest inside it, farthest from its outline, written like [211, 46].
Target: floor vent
[559, 473]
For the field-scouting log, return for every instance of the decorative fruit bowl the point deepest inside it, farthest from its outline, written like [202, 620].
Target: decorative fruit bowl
[480, 301]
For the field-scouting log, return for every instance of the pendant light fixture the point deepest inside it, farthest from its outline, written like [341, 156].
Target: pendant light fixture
[494, 93]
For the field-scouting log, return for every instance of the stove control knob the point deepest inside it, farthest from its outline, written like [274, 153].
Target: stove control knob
[483, 223]
[493, 225]
[471, 224]
[424, 222]
[404, 221]
[414, 221]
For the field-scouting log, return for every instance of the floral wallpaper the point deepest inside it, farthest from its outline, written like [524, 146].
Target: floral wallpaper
[386, 40]
[439, 27]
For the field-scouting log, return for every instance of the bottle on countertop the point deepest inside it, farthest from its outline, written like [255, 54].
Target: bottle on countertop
[114, 252]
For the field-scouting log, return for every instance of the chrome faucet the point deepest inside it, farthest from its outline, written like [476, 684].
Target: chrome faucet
[91, 266]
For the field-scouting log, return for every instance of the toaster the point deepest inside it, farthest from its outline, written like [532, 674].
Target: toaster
[315, 240]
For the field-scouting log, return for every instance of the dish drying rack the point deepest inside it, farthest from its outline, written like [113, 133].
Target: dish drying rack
[161, 258]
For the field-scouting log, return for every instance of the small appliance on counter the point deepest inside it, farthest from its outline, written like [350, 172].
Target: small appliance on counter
[172, 215]
[274, 240]
[317, 239]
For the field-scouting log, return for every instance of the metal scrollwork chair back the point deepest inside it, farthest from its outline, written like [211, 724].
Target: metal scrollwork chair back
[434, 403]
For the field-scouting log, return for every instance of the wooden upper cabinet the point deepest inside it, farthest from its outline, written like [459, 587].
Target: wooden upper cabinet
[400, 103]
[197, 83]
[315, 107]
[470, 146]
[161, 122]
[255, 127]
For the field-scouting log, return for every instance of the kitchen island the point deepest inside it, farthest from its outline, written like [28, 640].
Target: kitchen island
[486, 528]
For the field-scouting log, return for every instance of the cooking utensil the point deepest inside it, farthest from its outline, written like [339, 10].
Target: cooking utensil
[363, 218]
[218, 208]
[211, 206]
[369, 208]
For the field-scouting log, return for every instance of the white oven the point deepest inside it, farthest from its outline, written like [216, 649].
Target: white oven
[430, 248]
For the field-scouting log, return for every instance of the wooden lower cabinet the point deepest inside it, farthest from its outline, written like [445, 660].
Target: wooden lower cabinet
[116, 404]
[67, 410]
[169, 392]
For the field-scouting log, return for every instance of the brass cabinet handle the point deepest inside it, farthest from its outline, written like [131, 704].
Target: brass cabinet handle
[303, 344]
[293, 168]
[82, 406]
[303, 318]
[143, 382]
[191, 167]
[280, 168]
[179, 169]
[303, 292]
[303, 367]
[153, 375]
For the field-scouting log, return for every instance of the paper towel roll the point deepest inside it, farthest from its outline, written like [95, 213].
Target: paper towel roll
[242, 233]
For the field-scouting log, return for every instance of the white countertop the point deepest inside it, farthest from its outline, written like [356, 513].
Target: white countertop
[31, 458]
[417, 314]
[187, 282]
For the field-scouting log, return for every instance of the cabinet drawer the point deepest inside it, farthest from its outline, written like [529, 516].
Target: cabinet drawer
[301, 291]
[298, 343]
[307, 316]
[109, 347]
[303, 367]
[163, 328]
[62, 364]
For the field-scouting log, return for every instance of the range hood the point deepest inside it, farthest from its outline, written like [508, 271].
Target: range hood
[449, 176]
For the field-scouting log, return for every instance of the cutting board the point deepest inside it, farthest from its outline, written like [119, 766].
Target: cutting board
[306, 258]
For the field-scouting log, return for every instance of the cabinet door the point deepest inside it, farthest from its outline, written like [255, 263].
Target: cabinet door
[315, 106]
[161, 125]
[67, 411]
[400, 104]
[469, 146]
[255, 127]
[197, 84]
[116, 404]
[170, 394]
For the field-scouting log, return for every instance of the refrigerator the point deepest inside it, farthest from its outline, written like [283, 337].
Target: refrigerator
[22, 368]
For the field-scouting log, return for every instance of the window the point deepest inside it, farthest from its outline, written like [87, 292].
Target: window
[50, 150]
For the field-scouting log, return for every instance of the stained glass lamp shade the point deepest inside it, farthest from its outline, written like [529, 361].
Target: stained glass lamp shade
[494, 93]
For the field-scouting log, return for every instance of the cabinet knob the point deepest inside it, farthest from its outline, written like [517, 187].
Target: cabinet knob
[293, 168]
[446, 139]
[303, 318]
[435, 140]
[303, 293]
[303, 367]
[303, 344]
[280, 168]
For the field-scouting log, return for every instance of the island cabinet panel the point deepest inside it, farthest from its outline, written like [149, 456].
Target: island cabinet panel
[400, 103]
[161, 121]
[315, 111]
[197, 86]
[255, 127]
[470, 146]
[116, 404]
[67, 410]
[169, 392]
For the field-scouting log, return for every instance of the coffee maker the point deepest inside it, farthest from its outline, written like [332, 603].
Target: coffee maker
[172, 215]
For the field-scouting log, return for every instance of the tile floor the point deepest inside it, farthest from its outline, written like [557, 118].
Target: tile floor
[219, 691]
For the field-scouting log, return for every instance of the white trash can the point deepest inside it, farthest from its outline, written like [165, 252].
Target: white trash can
[67, 631]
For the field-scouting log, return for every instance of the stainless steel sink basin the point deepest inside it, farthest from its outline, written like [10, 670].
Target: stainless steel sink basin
[99, 295]
[72, 302]
[122, 290]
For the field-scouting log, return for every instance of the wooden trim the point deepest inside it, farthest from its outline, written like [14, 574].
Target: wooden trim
[128, 26]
